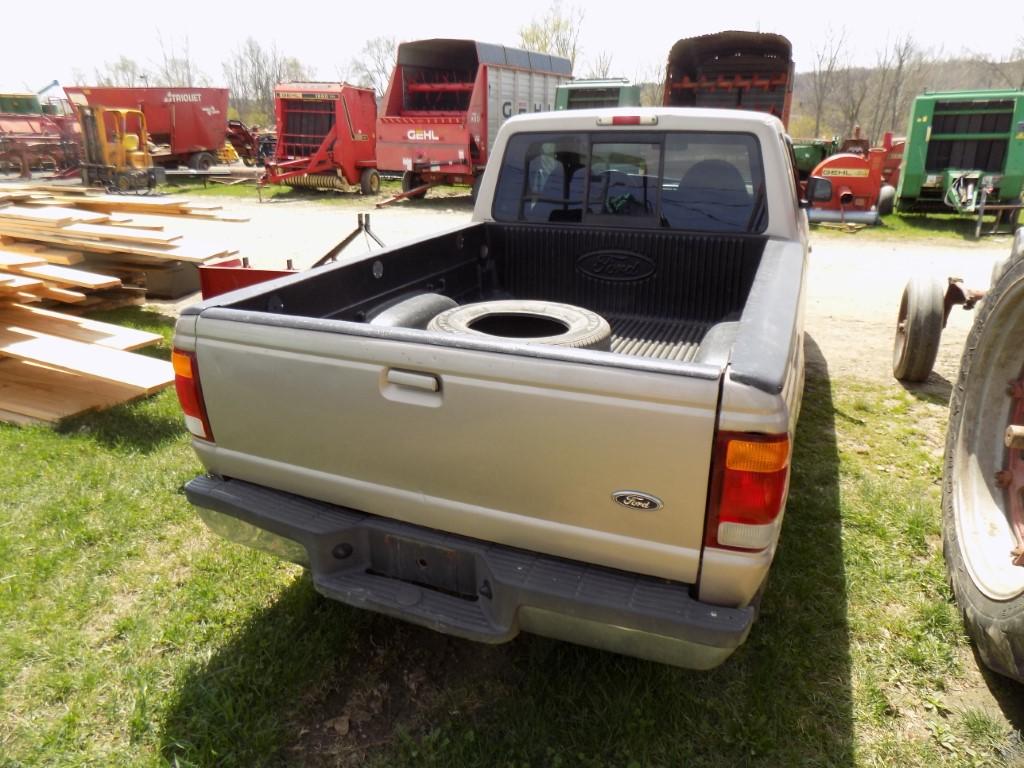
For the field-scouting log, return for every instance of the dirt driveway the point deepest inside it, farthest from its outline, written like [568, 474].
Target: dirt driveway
[854, 289]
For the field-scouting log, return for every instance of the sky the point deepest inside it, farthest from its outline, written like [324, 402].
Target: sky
[75, 36]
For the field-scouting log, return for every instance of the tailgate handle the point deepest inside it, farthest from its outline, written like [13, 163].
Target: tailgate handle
[428, 382]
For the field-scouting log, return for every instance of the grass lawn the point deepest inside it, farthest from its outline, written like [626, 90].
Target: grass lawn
[129, 636]
[917, 227]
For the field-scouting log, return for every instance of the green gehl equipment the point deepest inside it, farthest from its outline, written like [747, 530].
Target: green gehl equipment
[964, 152]
[592, 94]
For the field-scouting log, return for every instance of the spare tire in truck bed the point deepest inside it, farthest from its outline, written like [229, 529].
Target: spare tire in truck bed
[536, 322]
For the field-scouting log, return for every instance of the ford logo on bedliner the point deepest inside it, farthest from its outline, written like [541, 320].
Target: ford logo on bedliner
[637, 500]
[615, 265]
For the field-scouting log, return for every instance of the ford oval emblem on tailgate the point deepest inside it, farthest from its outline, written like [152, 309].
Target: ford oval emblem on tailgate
[637, 500]
[615, 265]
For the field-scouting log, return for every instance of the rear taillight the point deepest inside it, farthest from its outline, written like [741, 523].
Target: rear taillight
[748, 488]
[190, 393]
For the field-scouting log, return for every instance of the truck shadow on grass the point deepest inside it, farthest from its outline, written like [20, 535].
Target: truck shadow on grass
[308, 682]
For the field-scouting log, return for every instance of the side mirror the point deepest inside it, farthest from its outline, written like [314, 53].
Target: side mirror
[819, 190]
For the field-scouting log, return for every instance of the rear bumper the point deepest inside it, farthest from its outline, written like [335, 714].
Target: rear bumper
[470, 588]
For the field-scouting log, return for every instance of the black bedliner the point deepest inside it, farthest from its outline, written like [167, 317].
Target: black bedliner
[660, 291]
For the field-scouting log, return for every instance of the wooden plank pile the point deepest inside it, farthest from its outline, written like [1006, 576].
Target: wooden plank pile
[54, 365]
[74, 248]
[84, 231]
[95, 200]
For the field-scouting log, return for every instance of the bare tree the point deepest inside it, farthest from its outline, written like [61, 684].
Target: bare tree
[826, 61]
[601, 66]
[123, 73]
[557, 33]
[251, 74]
[176, 69]
[652, 86]
[902, 71]
[1009, 71]
[373, 66]
[852, 84]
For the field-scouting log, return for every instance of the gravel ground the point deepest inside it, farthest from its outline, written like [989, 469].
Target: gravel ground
[853, 297]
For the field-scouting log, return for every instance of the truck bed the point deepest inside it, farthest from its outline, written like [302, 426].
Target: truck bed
[686, 283]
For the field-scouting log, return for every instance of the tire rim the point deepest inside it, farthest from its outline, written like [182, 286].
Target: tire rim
[983, 508]
[900, 343]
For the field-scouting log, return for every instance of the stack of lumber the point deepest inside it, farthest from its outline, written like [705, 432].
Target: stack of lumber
[31, 272]
[75, 248]
[54, 365]
[94, 232]
[95, 200]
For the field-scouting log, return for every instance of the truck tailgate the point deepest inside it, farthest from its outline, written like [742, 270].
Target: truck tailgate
[519, 450]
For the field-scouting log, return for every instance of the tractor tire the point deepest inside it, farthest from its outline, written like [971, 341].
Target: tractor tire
[1016, 254]
[201, 161]
[886, 199]
[369, 181]
[534, 322]
[918, 329]
[412, 180]
[977, 510]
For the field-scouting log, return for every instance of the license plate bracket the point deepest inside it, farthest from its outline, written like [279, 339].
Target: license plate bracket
[428, 565]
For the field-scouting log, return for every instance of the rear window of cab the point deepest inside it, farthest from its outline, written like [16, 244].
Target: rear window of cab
[700, 181]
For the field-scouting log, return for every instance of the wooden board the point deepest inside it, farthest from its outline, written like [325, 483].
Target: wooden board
[54, 216]
[60, 256]
[191, 251]
[67, 276]
[52, 255]
[9, 259]
[47, 394]
[143, 373]
[62, 295]
[76, 328]
[100, 232]
[18, 283]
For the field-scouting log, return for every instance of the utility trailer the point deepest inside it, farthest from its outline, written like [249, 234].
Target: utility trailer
[597, 94]
[325, 137]
[448, 98]
[737, 70]
[964, 153]
[188, 125]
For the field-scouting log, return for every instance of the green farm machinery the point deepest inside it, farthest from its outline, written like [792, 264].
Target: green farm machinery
[594, 94]
[965, 154]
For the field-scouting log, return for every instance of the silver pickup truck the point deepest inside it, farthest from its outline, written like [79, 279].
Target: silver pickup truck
[572, 416]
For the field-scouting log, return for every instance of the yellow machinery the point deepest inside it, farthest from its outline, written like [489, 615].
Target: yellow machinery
[116, 145]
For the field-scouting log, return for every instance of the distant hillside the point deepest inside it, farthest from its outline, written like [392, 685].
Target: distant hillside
[878, 99]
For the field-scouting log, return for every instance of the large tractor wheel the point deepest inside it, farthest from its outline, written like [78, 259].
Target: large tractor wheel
[918, 329]
[410, 181]
[983, 478]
